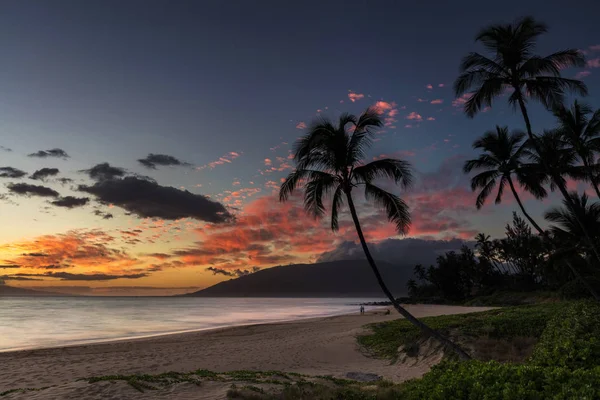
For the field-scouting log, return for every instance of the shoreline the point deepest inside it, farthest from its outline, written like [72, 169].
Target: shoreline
[312, 346]
[179, 332]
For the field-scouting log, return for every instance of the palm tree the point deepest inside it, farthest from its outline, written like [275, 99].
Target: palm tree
[329, 163]
[486, 250]
[501, 158]
[582, 134]
[514, 67]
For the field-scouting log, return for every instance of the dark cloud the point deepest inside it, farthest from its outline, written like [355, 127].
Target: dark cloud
[104, 171]
[234, 272]
[71, 202]
[396, 251]
[65, 276]
[7, 266]
[64, 181]
[5, 149]
[146, 198]
[32, 190]
[43, 173]
[17, 278]
[34, 255]
[10, 172]
[56, 153]
[153, 160]
[104, 215]
[55, 266]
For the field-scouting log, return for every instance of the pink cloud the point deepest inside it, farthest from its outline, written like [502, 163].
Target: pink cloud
[355, 96]
[437, 101]
[268, 161]
[429, 86]
[595, 47]
[408, 126]
[583, 74]
[430, 119]
[421, 100]
[414, 116]
[225, 159]
[393, 112]
[381, 107]
[459, 102]
[593, 63]
[441, 85]
[301, 125]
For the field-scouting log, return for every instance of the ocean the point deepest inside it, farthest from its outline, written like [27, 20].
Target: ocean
[38, 322]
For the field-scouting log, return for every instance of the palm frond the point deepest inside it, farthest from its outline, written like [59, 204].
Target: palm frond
[362, 138]
[315, 191]
[396, 209]
[501, 185]
[397, 170]
[338, 202]
[484, 96]
[291, 182]
[485, 192]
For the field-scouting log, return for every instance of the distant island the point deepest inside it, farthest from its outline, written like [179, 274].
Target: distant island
[6, 291]
[347, 278]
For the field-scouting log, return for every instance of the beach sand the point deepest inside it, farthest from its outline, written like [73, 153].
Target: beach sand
[323, 346]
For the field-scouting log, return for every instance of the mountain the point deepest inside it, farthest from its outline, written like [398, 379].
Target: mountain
[349, 278]
[6, 291]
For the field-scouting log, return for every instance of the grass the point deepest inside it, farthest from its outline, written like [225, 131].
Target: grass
[520, 321]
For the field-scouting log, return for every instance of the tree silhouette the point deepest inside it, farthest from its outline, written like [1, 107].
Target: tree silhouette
[329, 162]
[582, 134]
[501, 158]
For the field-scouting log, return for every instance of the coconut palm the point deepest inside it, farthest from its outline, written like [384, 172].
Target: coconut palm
[513, 67]
[501, 158]
[582, 133]
[329, 162]
[567, 230]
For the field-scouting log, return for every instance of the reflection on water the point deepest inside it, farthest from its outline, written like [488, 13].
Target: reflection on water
[46, 322]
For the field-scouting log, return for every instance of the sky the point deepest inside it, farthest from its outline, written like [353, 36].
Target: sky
[224, 88]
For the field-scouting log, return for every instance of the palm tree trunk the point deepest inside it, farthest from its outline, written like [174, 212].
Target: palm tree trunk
[514, 192]
[591, 176]
[561, 187]
[424, 328]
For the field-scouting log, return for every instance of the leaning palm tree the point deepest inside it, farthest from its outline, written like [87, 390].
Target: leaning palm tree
[501, 158]
[513, 66]
[329, 162]
[582, 133]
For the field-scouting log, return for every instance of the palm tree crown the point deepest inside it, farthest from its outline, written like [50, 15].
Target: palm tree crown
[502, 157]
[513, 65]
[567, 228]
[582, 134]
[329, 160]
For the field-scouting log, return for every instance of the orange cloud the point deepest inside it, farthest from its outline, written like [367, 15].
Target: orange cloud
[460, 101]
[268, 161]
[355, 96]
[437, 101]
[430, 119]
[301, 125]
[414, 116]
[225, 159]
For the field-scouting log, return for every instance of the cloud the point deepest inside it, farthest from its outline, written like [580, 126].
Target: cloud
[441, 85]
[225, 159]
[64, 181]
[460, 101]
[437, 101]
[153, 160]
[408, 251]
[355, 96]
[66, 276]
[104, 171]
[268, 162]
[147, 199]
[593, 63]
[7, 266]
[429, 86]
[583, 74]
[103, 214]
[44, 173]
[10, 172]
[414, 116]
[430, 119]
[56, 153]
[301, 125]
[236, 272]
[381, 107]
[16, 278]
[32, 190]
[71, 202]
[8, 150]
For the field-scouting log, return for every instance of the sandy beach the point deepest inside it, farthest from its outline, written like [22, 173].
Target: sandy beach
[324, 346]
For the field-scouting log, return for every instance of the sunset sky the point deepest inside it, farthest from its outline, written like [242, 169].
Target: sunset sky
[224, 88]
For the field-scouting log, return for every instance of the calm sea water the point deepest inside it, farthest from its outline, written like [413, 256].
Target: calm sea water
[27, 323]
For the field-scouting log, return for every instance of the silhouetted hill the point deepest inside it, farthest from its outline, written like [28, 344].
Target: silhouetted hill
[6, 291]
[350, 278]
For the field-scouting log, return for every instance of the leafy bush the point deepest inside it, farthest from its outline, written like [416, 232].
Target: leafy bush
[492, 380]
[572, 338]
[528, 321]
[574, 289]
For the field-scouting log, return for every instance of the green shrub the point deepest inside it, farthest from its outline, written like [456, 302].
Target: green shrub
[491, 380]
[572, 338]
[528, 321]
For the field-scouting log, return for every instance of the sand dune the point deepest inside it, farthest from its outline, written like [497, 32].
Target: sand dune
[325, 346]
